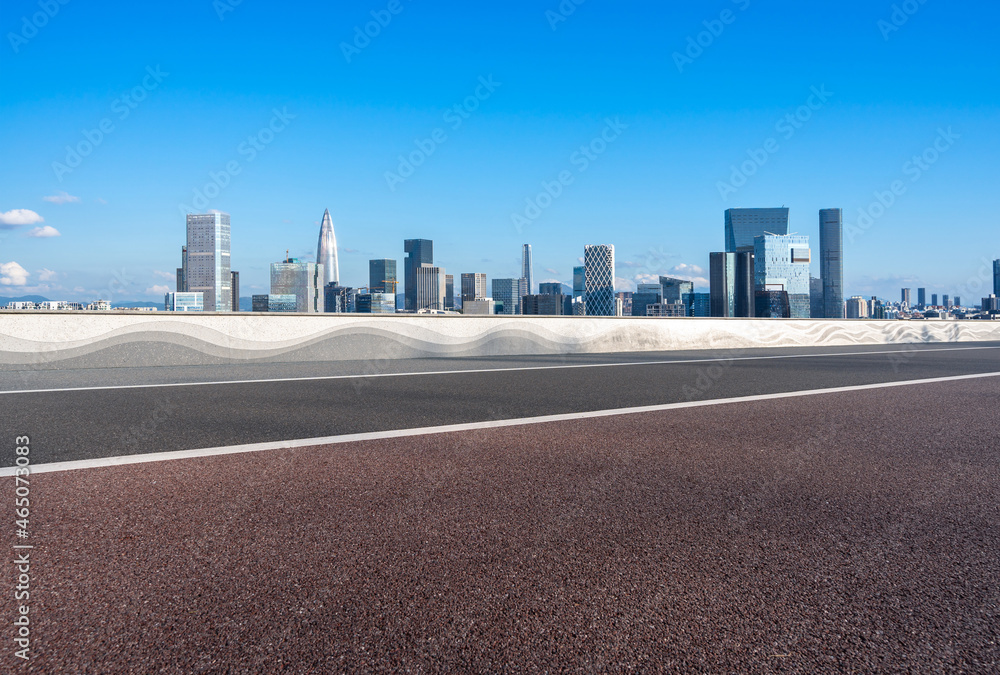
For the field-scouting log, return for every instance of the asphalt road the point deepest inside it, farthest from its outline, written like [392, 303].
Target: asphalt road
[851, 532]
[135, 419]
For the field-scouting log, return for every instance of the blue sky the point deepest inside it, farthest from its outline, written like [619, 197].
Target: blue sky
[261, 106]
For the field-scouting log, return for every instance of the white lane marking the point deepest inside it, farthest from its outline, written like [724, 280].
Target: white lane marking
[452, 428]
[494, 370]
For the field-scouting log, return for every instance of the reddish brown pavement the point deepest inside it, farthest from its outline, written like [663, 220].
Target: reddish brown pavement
[853, 532]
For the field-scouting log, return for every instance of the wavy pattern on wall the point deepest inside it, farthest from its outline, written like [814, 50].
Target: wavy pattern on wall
[52, 342]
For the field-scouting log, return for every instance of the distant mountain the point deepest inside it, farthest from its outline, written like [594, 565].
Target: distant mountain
[23, 298]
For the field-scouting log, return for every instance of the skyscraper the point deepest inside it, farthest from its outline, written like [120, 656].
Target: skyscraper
[430, 287]
[208, 260]
[418, 252]
[722, 280]
[449, 291]
[905, 297]
[235, 285]
[745, 293]
[831, 262]
[473, 287]
[599, 261]
[921, 298]
[304, 280]
[674, 290]
[507, 292]
[816, 309]
[996, 278]
[644, 296]
[382, 276]
[745, 225]
[326, 251]
[781, 265]
[182, 271]
[934, 302]
[580, 282]
[526, 266]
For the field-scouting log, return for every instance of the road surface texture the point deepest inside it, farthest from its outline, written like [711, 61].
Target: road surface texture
[856, 531]
[87, 423]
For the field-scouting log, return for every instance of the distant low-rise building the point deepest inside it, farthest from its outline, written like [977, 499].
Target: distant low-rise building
[184, 302]
[275, 302]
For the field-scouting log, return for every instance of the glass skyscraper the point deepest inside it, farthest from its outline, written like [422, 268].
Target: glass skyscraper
[599, 262]
[580, 282]
[722, 283]
[304, 280]
[473, 286]
[831, 262]
[781, 265]
[996, 278]
[526, 265]
[326, 251]
[382, 276]
[508, 292]
[418, 252]
[743, 226]
[207, 260]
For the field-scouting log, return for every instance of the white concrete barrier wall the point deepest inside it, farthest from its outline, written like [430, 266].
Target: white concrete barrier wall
[102, 339]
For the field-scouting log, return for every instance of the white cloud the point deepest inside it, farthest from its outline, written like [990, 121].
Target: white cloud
[44, 232]
[157, 290]
[18, 217]
[12, 274]
[552, 271]
[62, 197]
[101, 201]
[47, 275]
[165, 275]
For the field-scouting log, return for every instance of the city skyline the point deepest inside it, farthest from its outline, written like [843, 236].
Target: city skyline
[266, 140]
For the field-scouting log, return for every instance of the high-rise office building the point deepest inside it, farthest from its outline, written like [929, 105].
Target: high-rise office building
[644, 296]
[382, 276]
[375, 303]
[905, 297]
[208, 260]
[781, 265]
[235, 286]
[326, 251]
[921, 298]
[996, 278]
[182, 271]
[698, 304]
[304, 280]
[816, 308]
[934, 302]
[722, 284]
[745, 288]
[418, 252]
[958, 301]
[674, 290]
[339, 299]
[857, 308]
[743, 226]
[599, 261]
[526, 267]
[473, 287]
[831, 262]
[551, 288]
[431, 287]
[449, 291]
[946, 301]
[507, 295]
[580, 283]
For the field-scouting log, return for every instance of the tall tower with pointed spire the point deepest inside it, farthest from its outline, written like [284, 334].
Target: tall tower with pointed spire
[326, 253]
